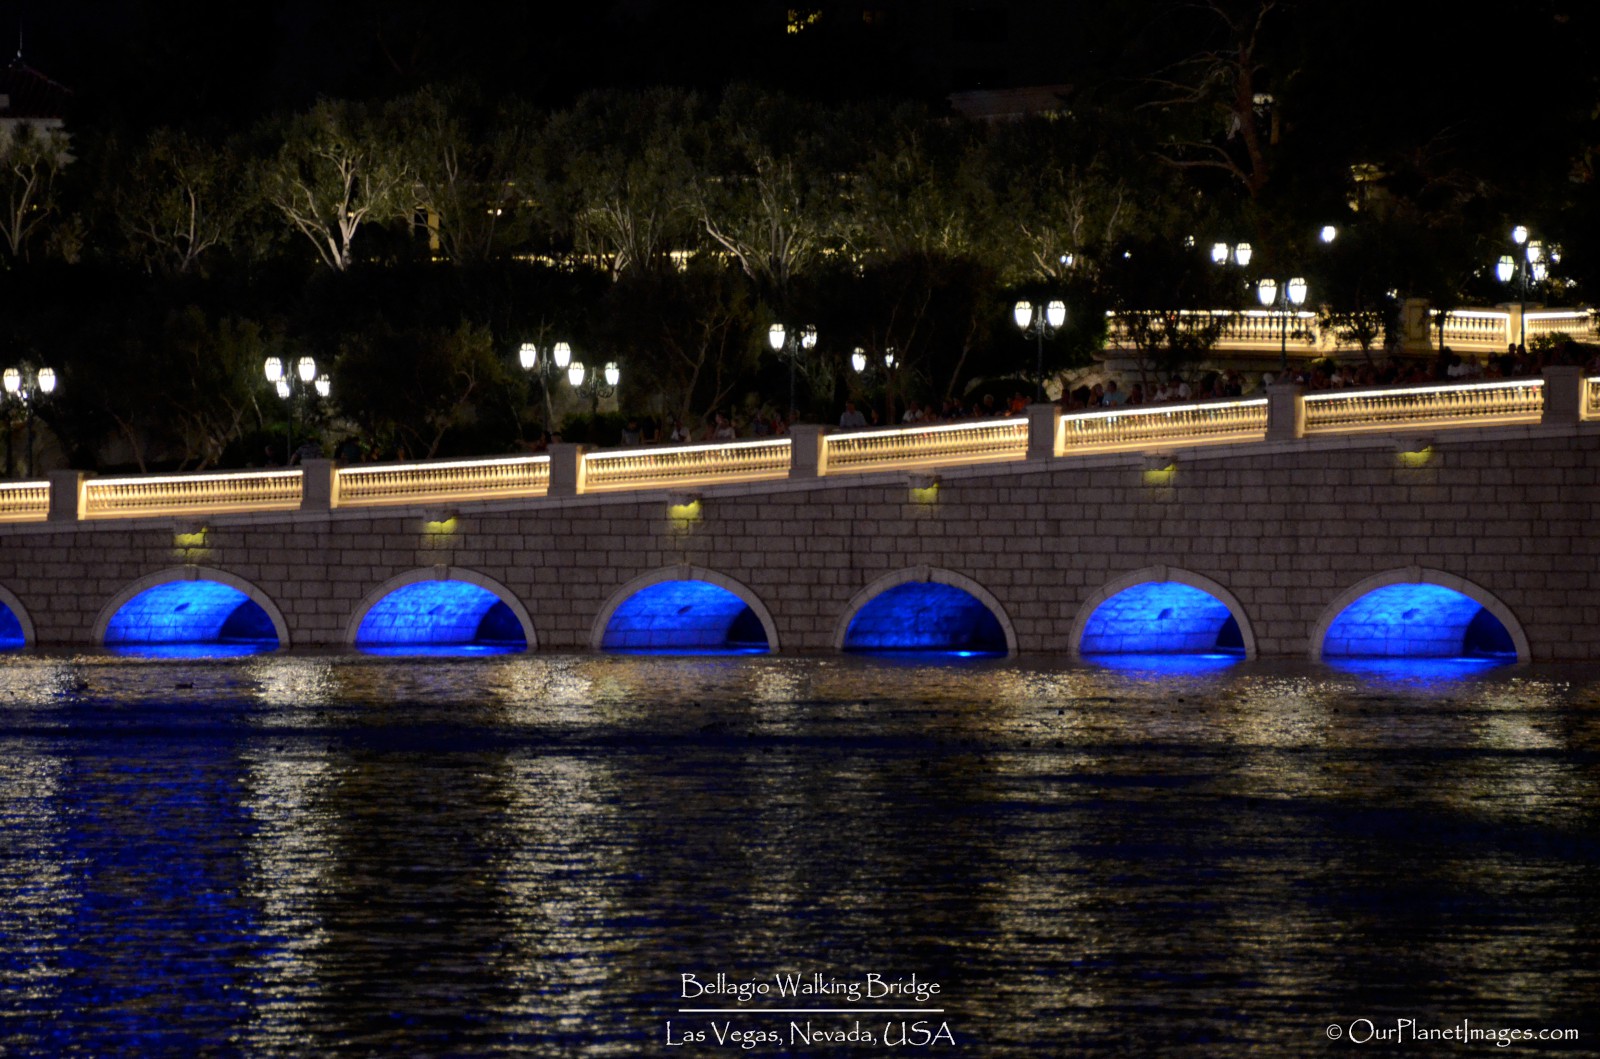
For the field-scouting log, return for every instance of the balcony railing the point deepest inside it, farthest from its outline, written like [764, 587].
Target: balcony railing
[24, 501]
[189, 494]
[1145, 427]
[747, 461]
[1477, 404]
[1142, 427]
[427, 483]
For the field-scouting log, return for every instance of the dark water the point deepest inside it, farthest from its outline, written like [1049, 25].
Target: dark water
[340, 855]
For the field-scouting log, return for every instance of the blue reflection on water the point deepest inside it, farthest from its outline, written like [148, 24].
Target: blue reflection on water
[914, 657]
[193, 650]
[924, 616]
[191, 612]
[453, 650]
[1419, 671]
[687, 652]
[10, 630]
[1167, 664]
[440, 614]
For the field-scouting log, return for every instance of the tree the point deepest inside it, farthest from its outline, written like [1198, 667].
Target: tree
[185, 201]
[336, 171]
[31, 158]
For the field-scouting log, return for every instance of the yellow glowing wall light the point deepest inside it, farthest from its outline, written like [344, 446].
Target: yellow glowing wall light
[1414, 452]
[1159, 469]
[190, 538]
[439, 523]
[684, 509]
[924, 488]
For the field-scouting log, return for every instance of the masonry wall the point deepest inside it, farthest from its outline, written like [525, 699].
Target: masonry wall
[1286, 527]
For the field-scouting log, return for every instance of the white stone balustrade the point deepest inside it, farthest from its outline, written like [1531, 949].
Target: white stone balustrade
[740, 461]
[1578, 324]
[189, 494]
[24, 501]
[1591, 393]
[1472, 404]
[1143, 426]
[442, 482]
[877, 450]
[1477, 329]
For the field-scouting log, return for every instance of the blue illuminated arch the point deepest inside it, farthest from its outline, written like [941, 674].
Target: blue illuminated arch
[925, 609]
[1163, 610]
[684, 610]
[191, 607]
[16, 630]
[1418, 614]
[444, 609]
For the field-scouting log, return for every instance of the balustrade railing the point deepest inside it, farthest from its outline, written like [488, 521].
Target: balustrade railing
[1477, 404]
[876, 450]
[24, 501]
[182, 494]
[747, 461]
[456, 480]
[1577, 324]
[1188, 424]
[1511, 401]
[1477, 329]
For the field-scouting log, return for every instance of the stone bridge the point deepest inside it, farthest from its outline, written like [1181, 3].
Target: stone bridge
[1431, 522]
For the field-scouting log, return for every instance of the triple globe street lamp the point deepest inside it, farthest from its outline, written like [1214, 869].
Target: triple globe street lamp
[25, 386]
[1530, 259]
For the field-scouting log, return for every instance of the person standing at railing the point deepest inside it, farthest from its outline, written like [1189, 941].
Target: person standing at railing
[852, 419]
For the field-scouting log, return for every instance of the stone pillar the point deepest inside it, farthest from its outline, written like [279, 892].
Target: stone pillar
[66, 495]
[808, 457]
[1416, 329]
[566, 469]
[1564, 396]
[1044, 430]
[1286, 411]
[319, 486]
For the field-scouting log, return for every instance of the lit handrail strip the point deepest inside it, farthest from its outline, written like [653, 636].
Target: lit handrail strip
[24, 501]
[686, 464]
[1511, 401]
[191, 494]
[418, 483]
[1143, 426]
[987, 440]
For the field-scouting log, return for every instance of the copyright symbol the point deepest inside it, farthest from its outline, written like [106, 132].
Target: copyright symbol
[1334, 1032]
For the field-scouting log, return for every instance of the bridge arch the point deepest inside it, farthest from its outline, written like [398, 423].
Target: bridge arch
[682, 608]
[925, 608]
[441, 607]
[1415, 612]
[1161, 610]
[16, 628]
[190, 605]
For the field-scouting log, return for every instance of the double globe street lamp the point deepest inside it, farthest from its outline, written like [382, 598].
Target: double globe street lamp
[25, 386]
[1530, 259]
[1286, 298]
[594, 385]
[294, 385]
[545, 362]
[1042, 326]
[788, 344]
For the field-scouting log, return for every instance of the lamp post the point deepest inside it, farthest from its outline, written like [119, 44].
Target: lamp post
[862, 365]
[788, 344]
[1285, 297]
[1529, 258]
[1041, 326]
[301, 382]
[594, 384]
[25, 386]
[1238, 254]
[545, 362]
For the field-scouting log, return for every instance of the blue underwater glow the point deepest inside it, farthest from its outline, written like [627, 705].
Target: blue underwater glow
[684, 617]
[440, 617]
[1416, 621]
[10, 630]
[1168, 664]
[192, 650]
[925, 616]
[191, 613]
[1160, 617]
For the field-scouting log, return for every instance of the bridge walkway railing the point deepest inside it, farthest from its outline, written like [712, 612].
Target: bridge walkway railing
[1562, 395]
